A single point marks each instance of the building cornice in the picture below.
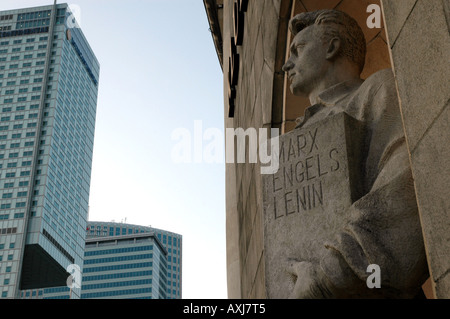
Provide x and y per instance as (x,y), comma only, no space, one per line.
(214,13)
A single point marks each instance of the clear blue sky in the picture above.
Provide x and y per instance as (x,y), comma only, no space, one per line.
(159,72)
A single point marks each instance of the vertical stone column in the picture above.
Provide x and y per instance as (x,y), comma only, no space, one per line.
(253,100)
(232,221)
(419,41)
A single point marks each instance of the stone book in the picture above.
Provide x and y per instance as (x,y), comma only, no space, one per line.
(306,201)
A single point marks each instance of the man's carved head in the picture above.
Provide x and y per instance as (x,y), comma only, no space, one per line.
(320,39)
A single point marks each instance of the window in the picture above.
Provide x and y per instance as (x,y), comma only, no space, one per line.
(6,17)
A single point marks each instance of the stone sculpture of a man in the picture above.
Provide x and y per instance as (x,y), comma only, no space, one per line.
(327,56)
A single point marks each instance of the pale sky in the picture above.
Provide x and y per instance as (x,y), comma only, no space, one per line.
(159,72)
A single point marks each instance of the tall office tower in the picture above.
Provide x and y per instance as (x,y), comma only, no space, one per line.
(171,242)
(48,95)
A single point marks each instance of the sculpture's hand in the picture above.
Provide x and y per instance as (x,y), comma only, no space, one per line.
(310,281)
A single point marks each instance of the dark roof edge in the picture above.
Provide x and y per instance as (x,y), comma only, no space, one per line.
(212,8)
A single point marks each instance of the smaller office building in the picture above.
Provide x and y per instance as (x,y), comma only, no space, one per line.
(172,243)
(124,261)
(125,267)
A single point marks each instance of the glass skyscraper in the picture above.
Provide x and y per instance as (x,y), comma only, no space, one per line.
(48,96)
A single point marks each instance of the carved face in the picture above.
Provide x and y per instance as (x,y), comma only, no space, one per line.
(307,64)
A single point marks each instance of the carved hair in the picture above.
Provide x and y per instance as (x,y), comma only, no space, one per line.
(335,24)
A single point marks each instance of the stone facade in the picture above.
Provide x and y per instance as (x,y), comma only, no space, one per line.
(253,109)
(262,101)
(418,34)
